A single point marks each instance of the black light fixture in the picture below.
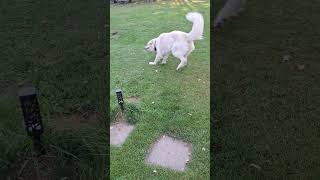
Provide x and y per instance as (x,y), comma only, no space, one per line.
(32,117)
(120,98)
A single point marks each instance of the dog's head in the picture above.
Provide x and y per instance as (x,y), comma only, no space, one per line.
(151,46)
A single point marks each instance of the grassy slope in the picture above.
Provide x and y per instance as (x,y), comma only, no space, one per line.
(267,112)
(175,93)
(57,46)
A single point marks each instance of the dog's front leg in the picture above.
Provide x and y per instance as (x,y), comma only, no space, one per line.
(164,60)
(156,60)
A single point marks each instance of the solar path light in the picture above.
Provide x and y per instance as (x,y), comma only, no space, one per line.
(32,117)
(120,98)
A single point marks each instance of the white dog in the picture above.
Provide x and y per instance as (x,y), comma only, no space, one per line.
(179,43)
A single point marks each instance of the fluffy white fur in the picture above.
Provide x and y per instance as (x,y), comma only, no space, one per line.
(179,43)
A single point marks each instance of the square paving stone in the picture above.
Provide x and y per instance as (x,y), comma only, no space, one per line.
(119,133)
(170,153)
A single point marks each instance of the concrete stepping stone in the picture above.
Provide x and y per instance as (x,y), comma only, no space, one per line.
(134,99)
(170,153)
(119,133)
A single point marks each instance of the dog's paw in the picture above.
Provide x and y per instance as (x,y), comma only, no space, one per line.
(152,63)
(163,62)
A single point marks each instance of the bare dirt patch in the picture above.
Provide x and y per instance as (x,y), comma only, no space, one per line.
(133,99)
(120,117)
(76,120)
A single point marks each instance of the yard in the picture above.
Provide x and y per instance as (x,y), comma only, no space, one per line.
(266,112)
(172,103)
(58,47)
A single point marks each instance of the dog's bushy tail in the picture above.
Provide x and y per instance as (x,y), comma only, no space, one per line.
(197,28)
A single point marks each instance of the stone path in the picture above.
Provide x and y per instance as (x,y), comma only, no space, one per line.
(166,152)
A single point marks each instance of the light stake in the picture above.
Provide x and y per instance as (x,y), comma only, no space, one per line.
(32,117)
(120,98)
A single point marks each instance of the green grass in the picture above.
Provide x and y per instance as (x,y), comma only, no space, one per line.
(58,47)
(175,94)
(267,112)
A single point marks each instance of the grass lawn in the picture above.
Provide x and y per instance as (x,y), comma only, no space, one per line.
(175,94)
(59,47)
(267,112)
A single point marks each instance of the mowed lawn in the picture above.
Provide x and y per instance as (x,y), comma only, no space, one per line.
(59,48)
(172,103)
(266,123)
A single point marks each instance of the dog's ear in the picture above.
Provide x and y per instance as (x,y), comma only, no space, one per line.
(153,45)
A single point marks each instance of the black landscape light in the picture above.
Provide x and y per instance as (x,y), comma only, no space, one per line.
(32,117)
(120,98)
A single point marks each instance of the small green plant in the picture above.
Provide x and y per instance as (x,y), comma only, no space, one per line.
(132,113)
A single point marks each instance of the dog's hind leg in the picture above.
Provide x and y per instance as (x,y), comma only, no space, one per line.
(180,55)
(190,51)
(183,62)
